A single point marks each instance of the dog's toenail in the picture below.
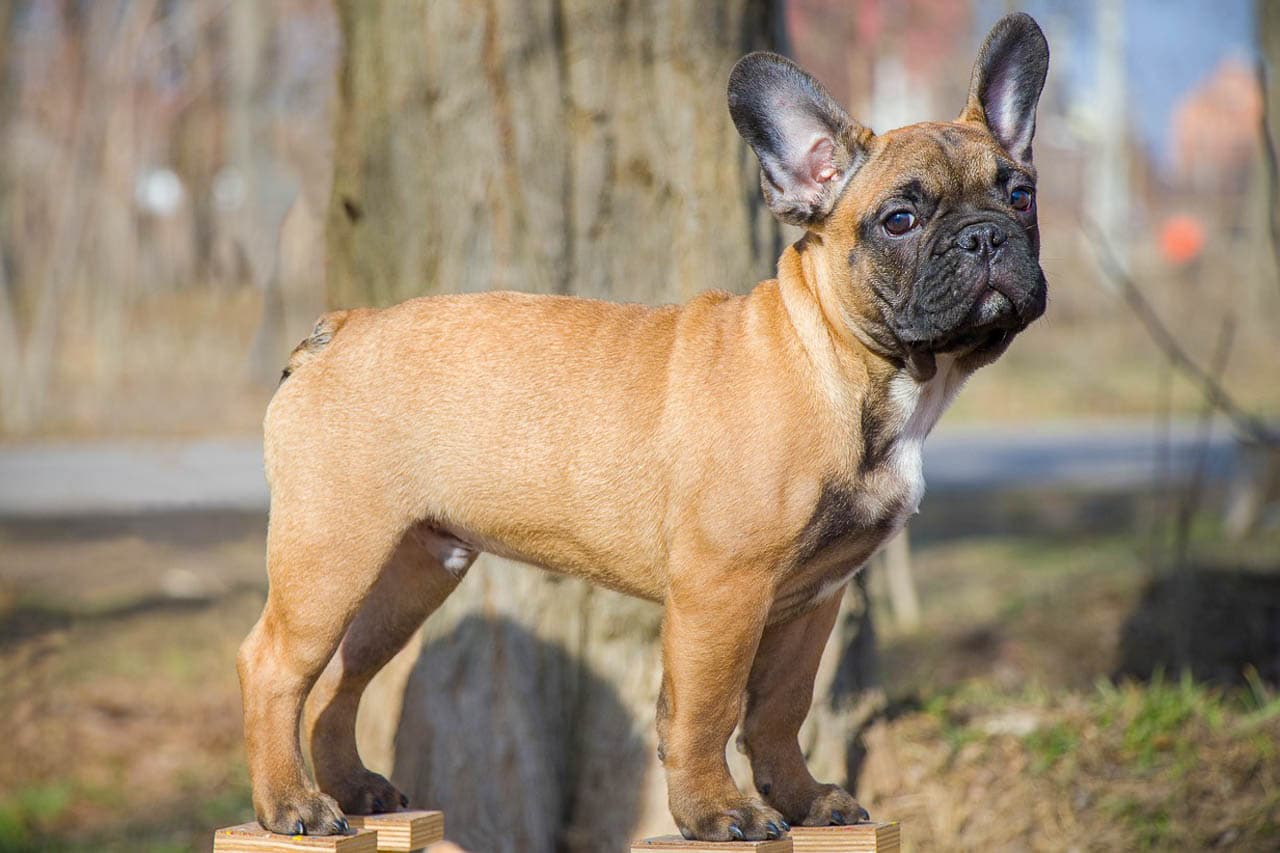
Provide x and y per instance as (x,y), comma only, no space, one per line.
(342,826)
(771,830)
(736,832)
(299,828)
(837,818)
(786,827)
(404,801)
(688,834)
(862,814)
(377,806)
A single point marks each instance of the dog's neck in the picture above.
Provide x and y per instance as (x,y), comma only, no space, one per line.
(853,354)
(862,328)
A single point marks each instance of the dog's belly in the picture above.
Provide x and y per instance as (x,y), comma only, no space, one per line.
(594,567)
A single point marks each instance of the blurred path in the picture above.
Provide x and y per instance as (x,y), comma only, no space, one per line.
(54,479)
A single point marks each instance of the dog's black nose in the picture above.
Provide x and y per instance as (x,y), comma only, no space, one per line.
(981,237)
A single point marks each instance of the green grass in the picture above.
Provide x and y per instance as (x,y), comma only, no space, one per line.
(1164,763)
(1050,745)
(1153,716)
(24,813)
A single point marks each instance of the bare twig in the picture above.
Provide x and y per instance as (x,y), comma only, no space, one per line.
(1195,488)
(10,350)
(1271,161)
(1191,500)
(1163,463)
(1250,427)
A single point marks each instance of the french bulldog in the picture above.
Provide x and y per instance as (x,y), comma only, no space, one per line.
(737,458)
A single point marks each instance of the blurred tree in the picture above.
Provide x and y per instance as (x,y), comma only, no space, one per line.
(562,147)
(1269,42)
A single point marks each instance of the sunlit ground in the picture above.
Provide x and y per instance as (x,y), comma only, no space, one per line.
(1004,728)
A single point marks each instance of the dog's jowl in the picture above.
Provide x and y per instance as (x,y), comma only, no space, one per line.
(737,458)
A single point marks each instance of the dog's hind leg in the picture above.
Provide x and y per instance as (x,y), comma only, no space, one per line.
(320,572)
(779,693)
(425,568)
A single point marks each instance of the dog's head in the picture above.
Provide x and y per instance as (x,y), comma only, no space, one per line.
(927,234)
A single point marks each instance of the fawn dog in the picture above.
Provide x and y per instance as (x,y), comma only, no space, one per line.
(737,458)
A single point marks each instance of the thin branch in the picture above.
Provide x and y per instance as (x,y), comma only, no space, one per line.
(1191,500)
(1249,426)
(1190,505)
(1163,463)
(1271,161)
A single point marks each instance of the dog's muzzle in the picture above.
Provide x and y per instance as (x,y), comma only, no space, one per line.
(985,283)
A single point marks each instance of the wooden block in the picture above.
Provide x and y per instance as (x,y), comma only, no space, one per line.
(251,838)
(870,837)
(402,831)
(675,842)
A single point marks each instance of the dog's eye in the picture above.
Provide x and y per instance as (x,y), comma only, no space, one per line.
(1021,198)
(899,222)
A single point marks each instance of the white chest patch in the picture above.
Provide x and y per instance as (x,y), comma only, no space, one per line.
(888,490)
(919,405)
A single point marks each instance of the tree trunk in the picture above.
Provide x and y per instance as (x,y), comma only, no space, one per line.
(563,146)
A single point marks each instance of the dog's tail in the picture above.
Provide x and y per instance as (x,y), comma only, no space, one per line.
(322,333)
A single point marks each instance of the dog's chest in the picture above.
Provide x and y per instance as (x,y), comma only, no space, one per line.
(857,514)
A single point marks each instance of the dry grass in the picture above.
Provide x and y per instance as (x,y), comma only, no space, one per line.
(121,716)
(1163,766)
(1009,729)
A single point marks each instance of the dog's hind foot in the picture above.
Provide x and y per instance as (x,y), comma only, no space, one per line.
(832,806)
(366,792)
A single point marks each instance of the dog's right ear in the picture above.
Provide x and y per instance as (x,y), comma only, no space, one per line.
(807,145)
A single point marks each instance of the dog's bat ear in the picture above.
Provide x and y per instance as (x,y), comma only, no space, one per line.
(1006,83)
(807,145)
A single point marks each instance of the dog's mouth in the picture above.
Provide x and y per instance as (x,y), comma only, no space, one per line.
(994,318)
(994,308)
(999,307)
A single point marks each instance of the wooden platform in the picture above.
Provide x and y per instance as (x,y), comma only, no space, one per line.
(676,842)
(251,838)
(394,832)
(405,832)
(399,832)
(869,837)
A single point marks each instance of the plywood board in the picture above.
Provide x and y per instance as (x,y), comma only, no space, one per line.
(675,842)
(402,831)
(871,837)
(251,838)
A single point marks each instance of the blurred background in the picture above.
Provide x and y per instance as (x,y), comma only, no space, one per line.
(1075,646)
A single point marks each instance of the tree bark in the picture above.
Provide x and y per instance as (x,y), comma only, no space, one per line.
(563,146)
(544,145)
(1268,16)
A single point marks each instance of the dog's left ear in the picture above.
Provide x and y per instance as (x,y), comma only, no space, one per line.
(807,145)
(1006,83)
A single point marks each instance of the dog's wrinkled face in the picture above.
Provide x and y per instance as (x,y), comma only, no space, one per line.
(945,240)
(935,223)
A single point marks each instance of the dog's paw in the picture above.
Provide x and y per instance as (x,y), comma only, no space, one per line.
(302,812)
(366,792)
(740,819)
(832,806)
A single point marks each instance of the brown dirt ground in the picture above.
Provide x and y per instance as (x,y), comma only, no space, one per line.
(121,720)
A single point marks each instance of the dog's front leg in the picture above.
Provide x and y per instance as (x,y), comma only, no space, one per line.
(779,693)
(710,633)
